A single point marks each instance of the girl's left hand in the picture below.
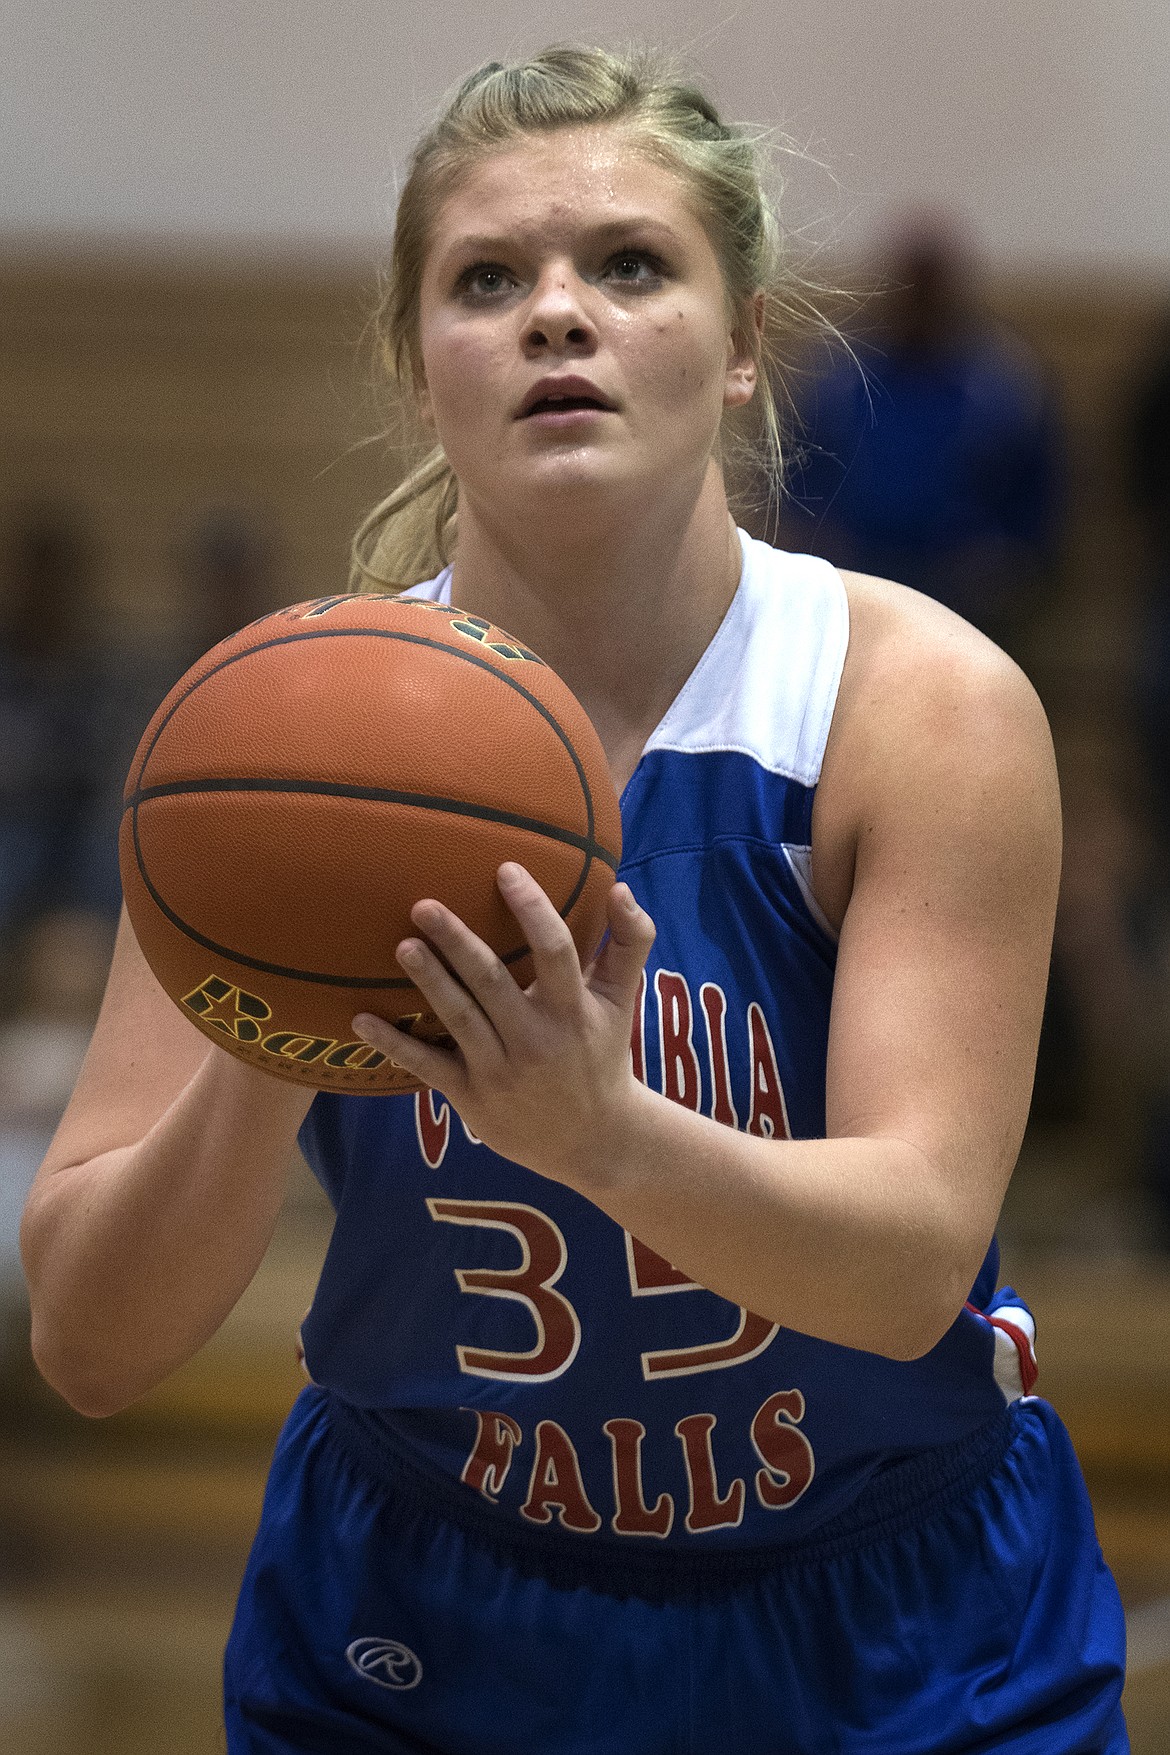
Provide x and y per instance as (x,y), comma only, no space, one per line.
(540,1074)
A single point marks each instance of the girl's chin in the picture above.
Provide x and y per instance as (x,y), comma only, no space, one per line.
(584,472)
(584,480)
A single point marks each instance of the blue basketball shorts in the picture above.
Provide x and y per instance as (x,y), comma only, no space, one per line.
(961,1606)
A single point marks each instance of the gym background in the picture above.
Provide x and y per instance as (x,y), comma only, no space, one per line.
(195,202)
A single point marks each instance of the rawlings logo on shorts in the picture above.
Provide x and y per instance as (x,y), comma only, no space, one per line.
(385,1662)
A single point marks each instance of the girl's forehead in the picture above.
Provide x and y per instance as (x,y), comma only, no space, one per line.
(563,175)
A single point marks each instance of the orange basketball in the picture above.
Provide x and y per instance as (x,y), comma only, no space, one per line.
(311,778)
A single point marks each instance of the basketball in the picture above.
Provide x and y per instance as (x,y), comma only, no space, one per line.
(315,775)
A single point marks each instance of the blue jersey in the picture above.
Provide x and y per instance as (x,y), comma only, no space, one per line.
(513,1336)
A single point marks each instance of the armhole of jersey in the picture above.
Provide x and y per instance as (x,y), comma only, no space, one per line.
(836,651)
(800,864)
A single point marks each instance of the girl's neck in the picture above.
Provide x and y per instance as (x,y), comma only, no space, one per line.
(623,613)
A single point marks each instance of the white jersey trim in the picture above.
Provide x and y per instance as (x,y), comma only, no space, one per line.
(767,684)
(436,590)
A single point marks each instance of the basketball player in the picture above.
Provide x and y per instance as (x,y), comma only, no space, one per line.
(664,1398)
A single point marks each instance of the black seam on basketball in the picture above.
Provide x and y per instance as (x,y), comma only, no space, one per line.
(588,844)
(410,640)
(580,884)
(377,795)
(385,982)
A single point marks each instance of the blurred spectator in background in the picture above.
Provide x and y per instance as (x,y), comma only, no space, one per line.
(1149,473)
(1148,457)
(1109,969)
(228,579)
(932,452)
(47,766)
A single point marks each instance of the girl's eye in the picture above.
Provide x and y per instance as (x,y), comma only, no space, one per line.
(633,268)
(484,280)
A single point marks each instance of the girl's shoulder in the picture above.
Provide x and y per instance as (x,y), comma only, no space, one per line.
(906,651)
(932,723)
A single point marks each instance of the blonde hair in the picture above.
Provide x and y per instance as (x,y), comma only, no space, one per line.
(410,535)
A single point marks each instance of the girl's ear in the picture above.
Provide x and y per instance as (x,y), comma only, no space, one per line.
(742,371)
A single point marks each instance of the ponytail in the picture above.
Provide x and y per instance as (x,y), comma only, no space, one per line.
(409,536)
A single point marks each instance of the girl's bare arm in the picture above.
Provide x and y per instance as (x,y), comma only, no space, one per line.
(157,1198)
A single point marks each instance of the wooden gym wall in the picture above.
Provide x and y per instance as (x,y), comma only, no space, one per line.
(146,394)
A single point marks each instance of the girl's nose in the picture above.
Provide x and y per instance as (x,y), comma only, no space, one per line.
(557,318)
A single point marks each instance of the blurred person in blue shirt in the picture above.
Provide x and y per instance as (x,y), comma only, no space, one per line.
(931,451)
